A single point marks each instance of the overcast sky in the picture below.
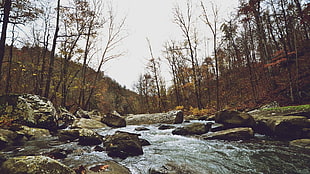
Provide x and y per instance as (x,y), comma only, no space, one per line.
(150,19)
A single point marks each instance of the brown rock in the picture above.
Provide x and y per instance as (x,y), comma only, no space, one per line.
(113,120)
(107,167)
(289,127)
(123,144)
(87,123)
(235,119)
(192,129)
(230,134)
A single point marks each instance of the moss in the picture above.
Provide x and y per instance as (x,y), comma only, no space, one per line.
(289,108)
(35,165)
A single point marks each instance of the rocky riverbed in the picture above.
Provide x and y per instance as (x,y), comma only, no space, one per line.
(49,140)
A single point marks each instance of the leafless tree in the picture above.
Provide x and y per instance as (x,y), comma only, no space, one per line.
(115,34)
(185,22)
(213,28)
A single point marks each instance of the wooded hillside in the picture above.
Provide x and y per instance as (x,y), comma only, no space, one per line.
(24,75)
(259,55)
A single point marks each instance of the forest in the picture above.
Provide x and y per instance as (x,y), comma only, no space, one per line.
(57,50)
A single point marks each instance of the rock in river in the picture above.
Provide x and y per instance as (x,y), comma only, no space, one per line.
(233,119)
(7,138)
(33,133)
(192,129)
(30,110)
(123,144)
(87,123)
(173,168)
(172,117)
(86,137)
(113,120)
(302,143)
(106,167)
(65,118)
(288,127)
(34,165)
(230,134)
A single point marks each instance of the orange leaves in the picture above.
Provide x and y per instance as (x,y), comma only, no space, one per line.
(275,63)
(279,57)
(189,85)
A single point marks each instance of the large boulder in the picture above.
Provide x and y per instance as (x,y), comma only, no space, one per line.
(7,138)
(87,123)
(94,114)
(80,113)
(106,167)
(192,129)
(30,110)
(233,119)
(33,133)
(65,118)
(230,134)
(86,137)
(172,117)
(173,168)
(34,165)
(123,144)
(302,143)
(113,120)
(288,127)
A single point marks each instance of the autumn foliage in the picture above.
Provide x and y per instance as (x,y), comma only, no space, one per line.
(263,56)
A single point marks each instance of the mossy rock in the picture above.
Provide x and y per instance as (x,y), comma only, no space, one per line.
(107,167)
(86,137)
(29,110)
(34,165)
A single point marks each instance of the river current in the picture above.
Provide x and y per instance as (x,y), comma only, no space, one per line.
(260,156)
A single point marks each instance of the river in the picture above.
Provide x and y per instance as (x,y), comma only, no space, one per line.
(260,156)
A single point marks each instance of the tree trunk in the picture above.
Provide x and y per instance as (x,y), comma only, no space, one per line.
(6,20)
(8,80)
(87,45)
(52,56)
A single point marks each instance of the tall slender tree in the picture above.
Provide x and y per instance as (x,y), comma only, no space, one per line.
(52,55)
(5,21)
(213,28)
(185,23)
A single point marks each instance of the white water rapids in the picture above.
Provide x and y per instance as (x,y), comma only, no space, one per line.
(260,156)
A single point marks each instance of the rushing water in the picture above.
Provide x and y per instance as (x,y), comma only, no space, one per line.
(261,156)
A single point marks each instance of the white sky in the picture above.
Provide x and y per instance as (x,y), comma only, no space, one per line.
(149,19)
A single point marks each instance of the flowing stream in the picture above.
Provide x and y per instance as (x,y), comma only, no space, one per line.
(260,156)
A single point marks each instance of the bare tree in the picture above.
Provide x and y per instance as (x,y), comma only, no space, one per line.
(91,33)
(185,23)
(171,56)
(115,34)
(52,55)
(154,68)
(213,28)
